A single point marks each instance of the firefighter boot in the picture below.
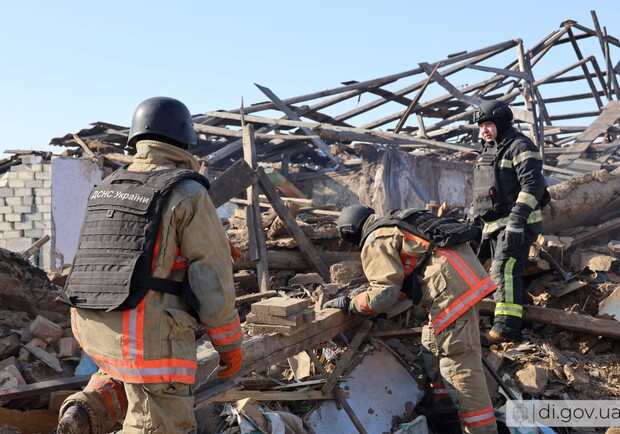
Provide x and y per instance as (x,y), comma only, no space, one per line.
(495,337)
(74,421)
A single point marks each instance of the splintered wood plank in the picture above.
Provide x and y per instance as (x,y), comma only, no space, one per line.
(609,115)
(231,183)
(261,352)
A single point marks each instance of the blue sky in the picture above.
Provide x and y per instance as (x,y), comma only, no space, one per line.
(66,64)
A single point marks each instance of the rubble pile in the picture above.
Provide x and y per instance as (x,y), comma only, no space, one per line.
(304,366)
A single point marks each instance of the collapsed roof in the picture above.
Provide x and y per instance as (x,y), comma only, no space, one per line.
(564,92)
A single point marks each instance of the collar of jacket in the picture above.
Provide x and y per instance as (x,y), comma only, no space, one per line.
(152,154)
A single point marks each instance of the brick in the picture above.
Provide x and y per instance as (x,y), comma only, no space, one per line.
(279,306)
(46,330)
(13,201)
(17,183)
(37,343)
(306,279)
(33,216)
(8,361)
(34,233)
(13,217)
(22,209)
(23,192)
(25,175)
(5,226)
(7,192)
(10,377)
(33,183)
(292,320)
(9,345)
(43,175)
(69,347)
(21,226)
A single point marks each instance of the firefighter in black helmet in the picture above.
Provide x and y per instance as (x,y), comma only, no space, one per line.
(395,251)
(152,267)
(509,190)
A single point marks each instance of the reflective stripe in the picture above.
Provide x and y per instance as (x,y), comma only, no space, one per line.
(509,309)
(113,393)
(526,155)
(149,371)
(439,390)
(226,334)
(408,262)
(527,199)
(180,261)
(478,289)
(509,283)
(478,417)
(504,163)
(361,304)
(490,227)
(461,304)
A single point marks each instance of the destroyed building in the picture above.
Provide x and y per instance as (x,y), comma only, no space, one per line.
(289,164)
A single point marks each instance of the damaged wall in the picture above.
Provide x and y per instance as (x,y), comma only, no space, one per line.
(32,206)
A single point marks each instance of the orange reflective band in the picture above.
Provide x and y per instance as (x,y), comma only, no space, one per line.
(149,371)
(361,304)
(478,417)
(226,334)
(114,395)
(132,339)
(461,304)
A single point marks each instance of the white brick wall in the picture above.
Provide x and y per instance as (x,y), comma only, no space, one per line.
(28,210)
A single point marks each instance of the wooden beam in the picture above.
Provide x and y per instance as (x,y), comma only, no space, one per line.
(292,115)
(257,395)
(573,321)
(258,246)
(295,260)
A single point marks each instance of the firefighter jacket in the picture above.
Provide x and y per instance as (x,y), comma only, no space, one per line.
(452,281)
(154,341)
(508,180)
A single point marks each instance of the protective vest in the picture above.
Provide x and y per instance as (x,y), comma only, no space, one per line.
(491,200)
(112,266)
(438,231)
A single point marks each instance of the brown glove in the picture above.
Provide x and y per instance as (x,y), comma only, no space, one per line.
(232,360)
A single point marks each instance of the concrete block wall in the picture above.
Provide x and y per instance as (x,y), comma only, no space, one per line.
(32,207)
(26,206)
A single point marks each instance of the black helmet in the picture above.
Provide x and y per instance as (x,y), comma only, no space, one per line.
(491,111)
(351,222)
(164,118)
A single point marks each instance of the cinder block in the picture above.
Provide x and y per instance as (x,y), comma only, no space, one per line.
(46,330)
(296,319)
(12,200)
(42,175)
(34,183)
(25,175)
(13,217)
(23,192)
(19,244)
(7,192)
(279,306)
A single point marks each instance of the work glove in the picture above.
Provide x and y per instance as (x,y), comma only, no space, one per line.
(231,361)
(515,231)
(343,303)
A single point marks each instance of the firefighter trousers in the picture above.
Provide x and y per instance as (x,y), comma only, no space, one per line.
(458,355)
(140,407)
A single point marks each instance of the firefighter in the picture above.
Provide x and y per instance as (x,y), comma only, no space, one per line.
(509,190)
(148,273)
(448,281)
